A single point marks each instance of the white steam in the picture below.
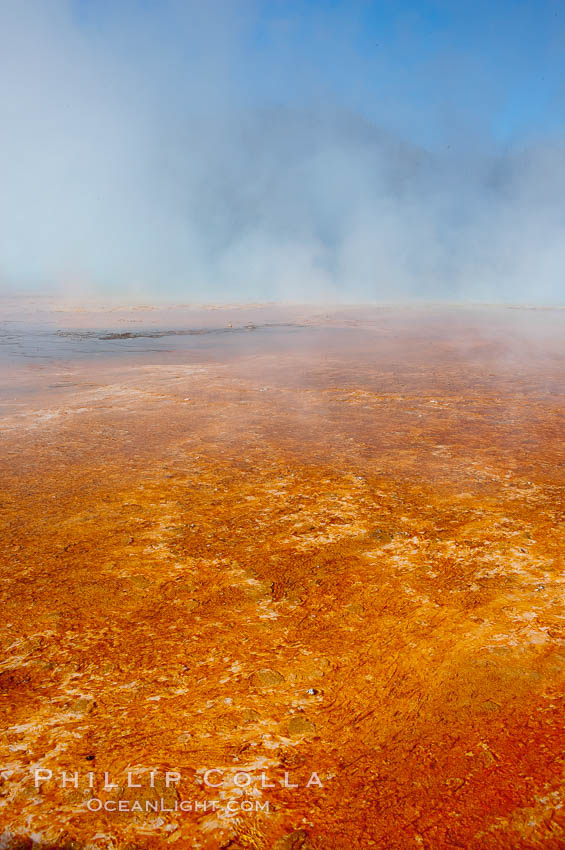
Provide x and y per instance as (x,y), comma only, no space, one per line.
(136,157)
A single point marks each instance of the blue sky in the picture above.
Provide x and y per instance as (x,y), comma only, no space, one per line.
(423,66)
(323,150)
(427,69)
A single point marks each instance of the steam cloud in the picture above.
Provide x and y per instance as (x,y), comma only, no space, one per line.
(163,150)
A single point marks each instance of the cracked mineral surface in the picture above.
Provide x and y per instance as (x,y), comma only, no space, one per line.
(278,577)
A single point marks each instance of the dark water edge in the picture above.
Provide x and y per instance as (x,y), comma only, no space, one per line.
(20,343)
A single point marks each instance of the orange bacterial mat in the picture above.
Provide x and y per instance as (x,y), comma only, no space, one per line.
(296,586)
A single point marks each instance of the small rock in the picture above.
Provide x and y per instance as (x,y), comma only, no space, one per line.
(82,705)
(486,755)
(140,581)
(260,589)
(266,678)
(225,723)
(297,840)
(381,534)
(300,725)
(184,738)
(250,716)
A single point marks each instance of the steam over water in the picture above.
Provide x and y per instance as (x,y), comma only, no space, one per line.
(49,347)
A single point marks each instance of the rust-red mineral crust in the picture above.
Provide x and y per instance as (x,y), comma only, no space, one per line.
(319,587)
